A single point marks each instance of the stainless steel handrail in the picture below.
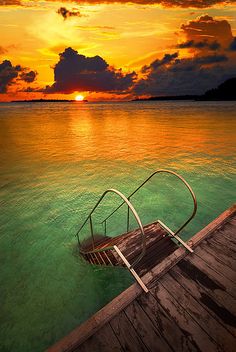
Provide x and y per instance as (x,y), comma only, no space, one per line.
(153,174)
(130,206)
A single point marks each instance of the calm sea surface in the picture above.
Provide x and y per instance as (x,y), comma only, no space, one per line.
(57,159)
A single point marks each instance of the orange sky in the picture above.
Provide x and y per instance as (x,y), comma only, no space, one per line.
(126,36)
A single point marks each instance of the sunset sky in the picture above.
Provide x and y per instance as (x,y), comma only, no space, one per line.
(114,50)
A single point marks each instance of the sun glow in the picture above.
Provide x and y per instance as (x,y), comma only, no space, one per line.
(79,97)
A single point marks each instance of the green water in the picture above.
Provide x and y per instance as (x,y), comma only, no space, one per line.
(56,160)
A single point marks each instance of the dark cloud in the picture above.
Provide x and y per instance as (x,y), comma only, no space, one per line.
(232,46)
(9,74)
(214,45)
(209,60)
(32,90)
(166,3)
(76,72)
(28,77)
(175,74)
(185,76)
(167,58)
(209,30)
(65,13)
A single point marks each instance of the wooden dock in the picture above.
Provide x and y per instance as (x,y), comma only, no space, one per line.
(190,306)
(158,246)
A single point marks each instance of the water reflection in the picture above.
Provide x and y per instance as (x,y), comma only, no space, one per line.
(57,159)
(128,132)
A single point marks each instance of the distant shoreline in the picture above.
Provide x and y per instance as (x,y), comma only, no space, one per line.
(183,97)
(173,97)
(50,101)
(226,91)
(163,98)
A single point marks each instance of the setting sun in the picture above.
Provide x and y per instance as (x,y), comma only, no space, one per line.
(79,97)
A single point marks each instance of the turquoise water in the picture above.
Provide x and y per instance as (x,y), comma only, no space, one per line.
(57,159)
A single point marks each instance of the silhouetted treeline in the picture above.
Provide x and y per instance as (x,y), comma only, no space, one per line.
(225,91)
(170,97)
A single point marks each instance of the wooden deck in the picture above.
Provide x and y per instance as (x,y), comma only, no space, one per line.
(158,246)
(190,306)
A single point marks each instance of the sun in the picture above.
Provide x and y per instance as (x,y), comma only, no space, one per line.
(79,97)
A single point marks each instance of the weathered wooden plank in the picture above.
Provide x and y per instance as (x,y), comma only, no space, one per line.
(103,341)
(233,221)
(129,249)
(216,223)
(215,263)
(131,235)
(126,334)
(159,270)
(223,258)
(150,264)
(213,274)
(158,246)
(146,329)
(133,244)
(155,255)
(184,320)
(229,237)
(177,338)
(133,252)
(218,305)
(99,240)
(224,340)
(220,241)
(229,230)
(225,254)
(187,324)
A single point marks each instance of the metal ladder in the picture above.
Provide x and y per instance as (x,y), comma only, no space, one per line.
(101,254)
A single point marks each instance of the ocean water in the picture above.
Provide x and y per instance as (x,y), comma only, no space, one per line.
(57,159)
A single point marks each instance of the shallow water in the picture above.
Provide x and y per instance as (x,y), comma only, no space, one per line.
(57,159)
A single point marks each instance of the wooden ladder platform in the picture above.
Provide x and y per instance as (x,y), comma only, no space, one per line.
(190,306)
(158,246)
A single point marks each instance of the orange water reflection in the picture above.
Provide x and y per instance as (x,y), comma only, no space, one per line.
(131,132)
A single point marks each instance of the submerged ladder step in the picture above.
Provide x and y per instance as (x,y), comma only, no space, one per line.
(101,258)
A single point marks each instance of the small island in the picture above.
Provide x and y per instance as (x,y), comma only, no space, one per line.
(50,101)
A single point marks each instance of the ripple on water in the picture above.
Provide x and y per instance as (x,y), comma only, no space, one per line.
(56,160)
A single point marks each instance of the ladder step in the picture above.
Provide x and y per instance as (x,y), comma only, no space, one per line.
(101,258)
(95,258)
(89,258)
(106,258)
